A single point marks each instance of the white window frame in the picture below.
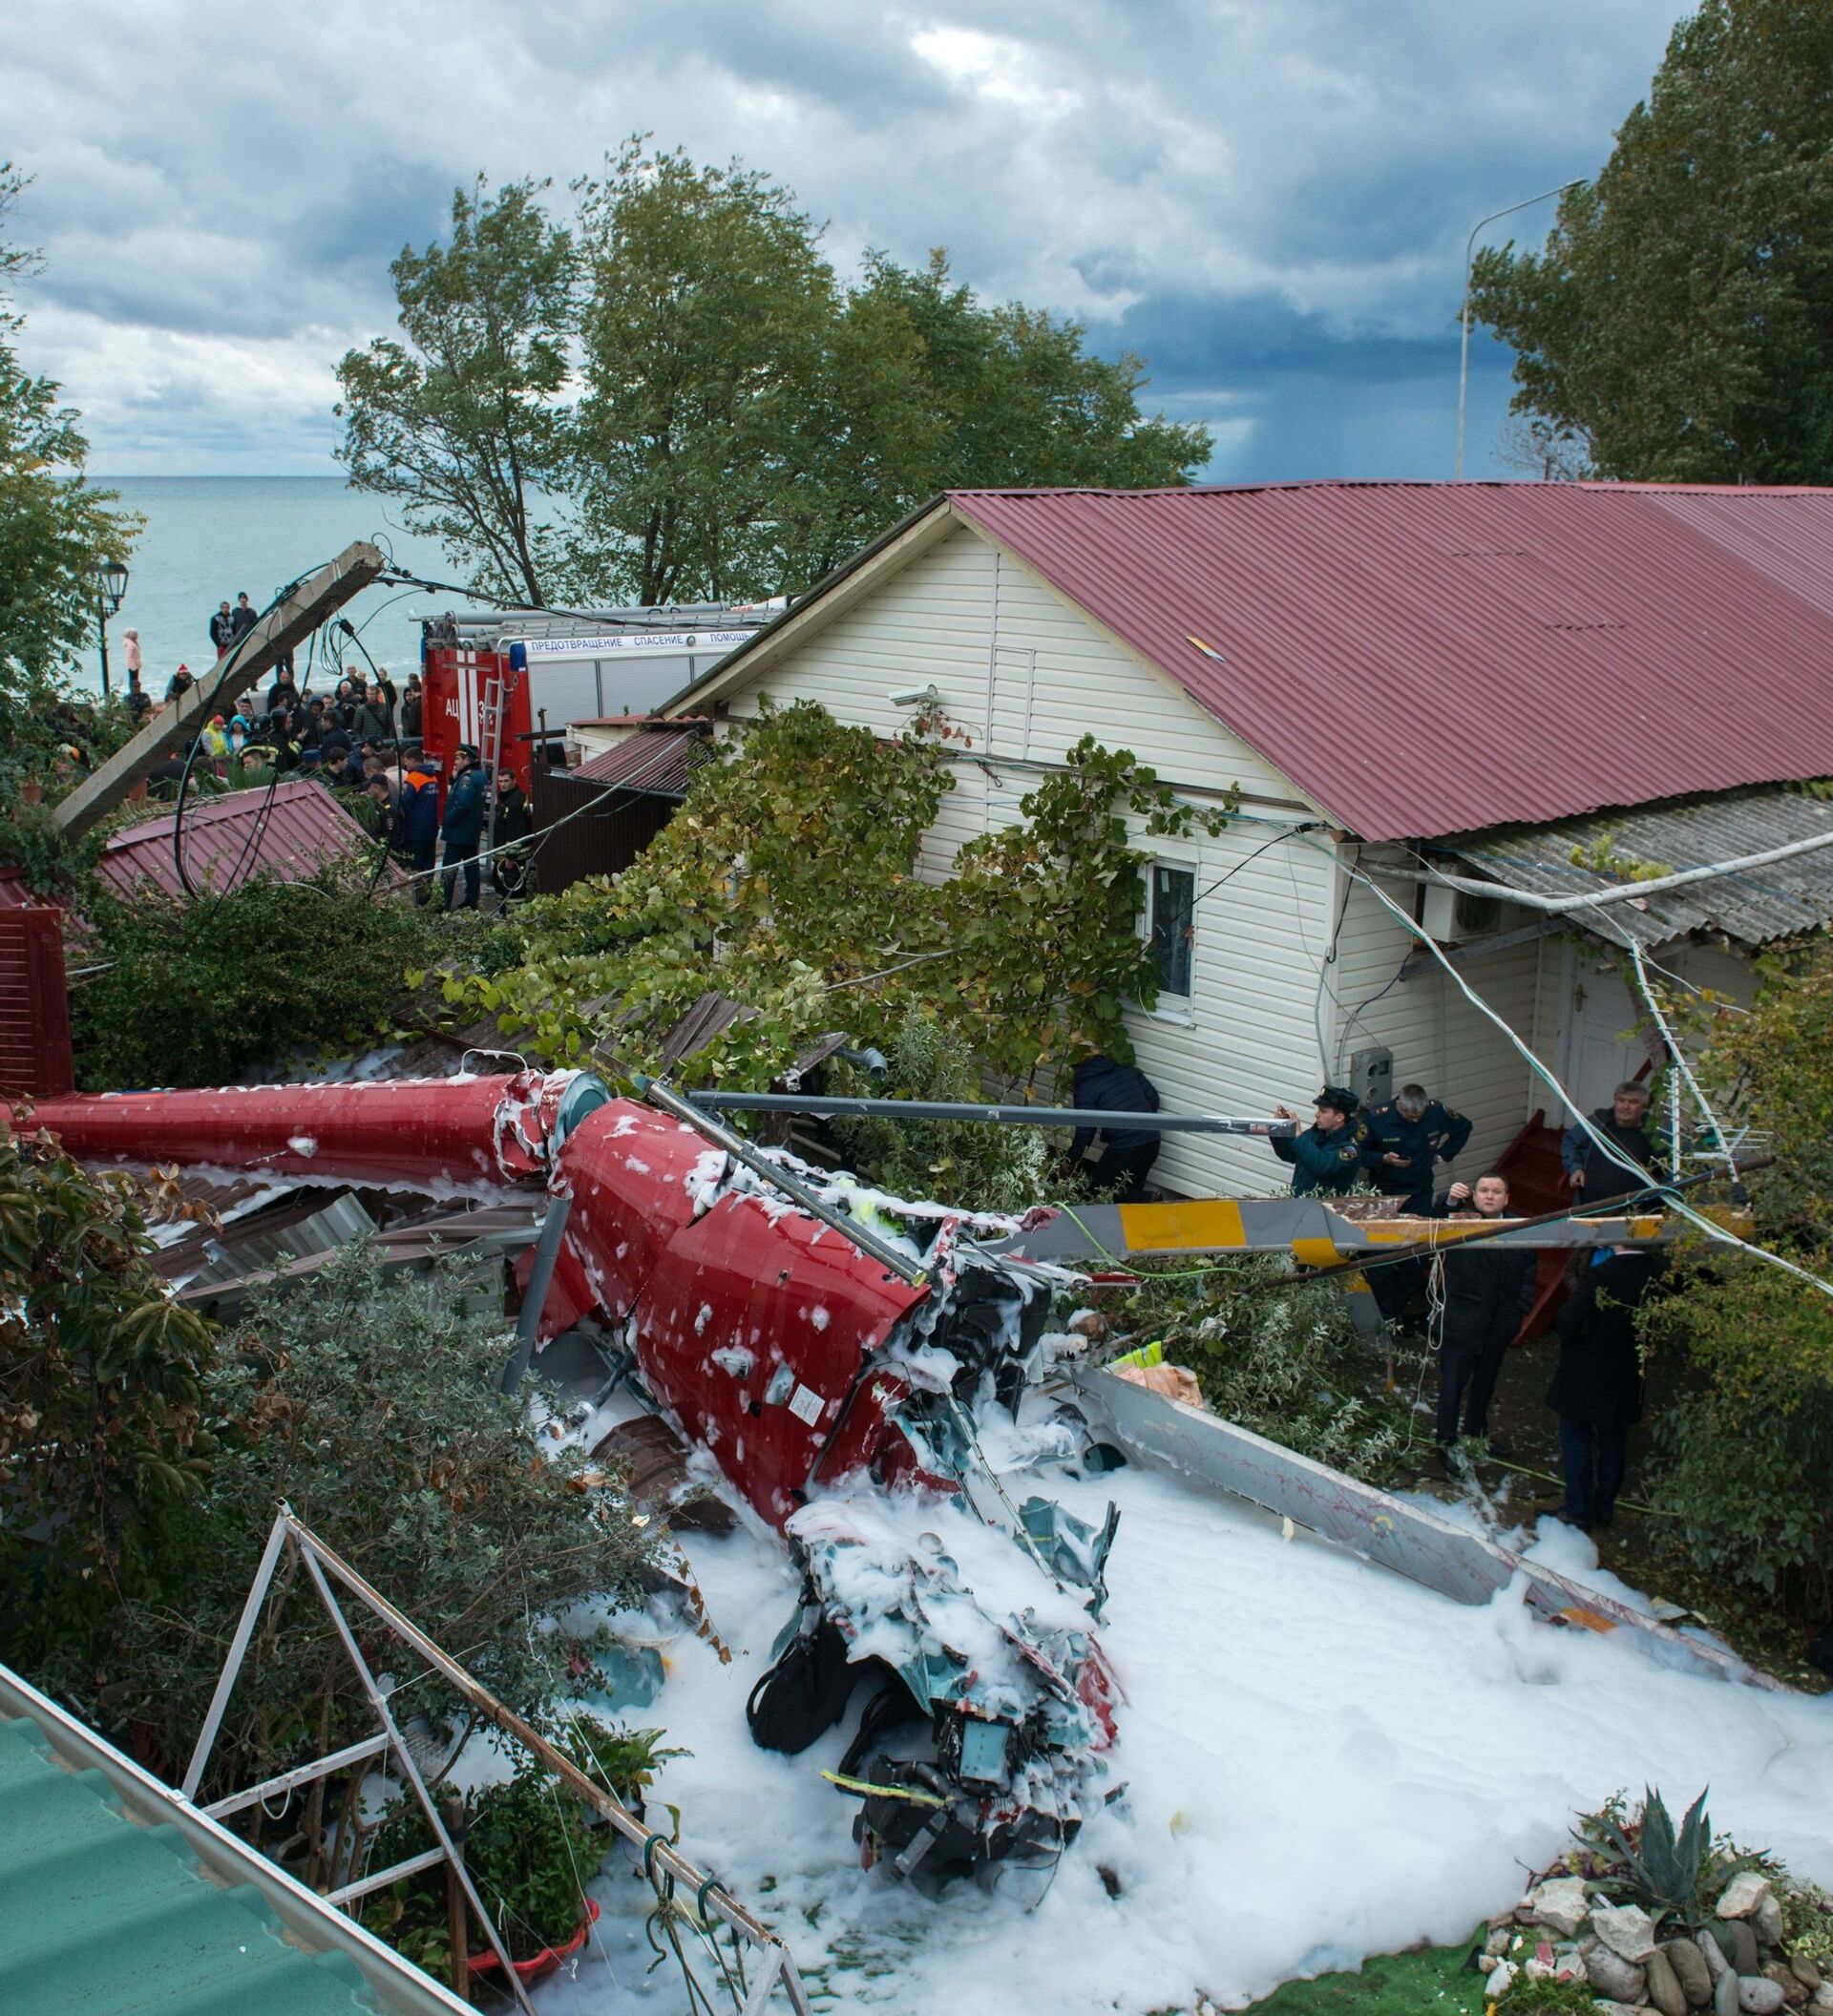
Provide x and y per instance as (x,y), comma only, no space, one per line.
(1178,1008)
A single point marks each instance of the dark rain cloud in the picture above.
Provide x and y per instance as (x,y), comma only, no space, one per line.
(1266,197)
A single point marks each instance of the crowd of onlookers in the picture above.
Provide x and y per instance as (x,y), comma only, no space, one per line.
(1470,1302)
(364,738)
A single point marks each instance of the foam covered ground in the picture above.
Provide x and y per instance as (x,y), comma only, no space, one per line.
(1324,1761)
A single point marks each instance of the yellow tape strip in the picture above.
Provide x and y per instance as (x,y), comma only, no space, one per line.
(1212,1223)
(1586,1620)
(883,1792)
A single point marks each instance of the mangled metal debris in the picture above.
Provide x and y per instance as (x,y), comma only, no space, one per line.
(840,1356)
(832,1365)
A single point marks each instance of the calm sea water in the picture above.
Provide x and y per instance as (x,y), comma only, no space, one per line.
(207,537)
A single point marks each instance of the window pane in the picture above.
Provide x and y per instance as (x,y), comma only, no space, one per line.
(1173,927)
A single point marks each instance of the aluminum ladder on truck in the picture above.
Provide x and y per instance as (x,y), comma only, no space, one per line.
(493,703)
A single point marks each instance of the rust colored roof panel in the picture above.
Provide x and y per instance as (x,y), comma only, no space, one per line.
(1427,658)
(287,836)
(656,761)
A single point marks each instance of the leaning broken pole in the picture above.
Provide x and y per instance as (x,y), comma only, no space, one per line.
(289,623)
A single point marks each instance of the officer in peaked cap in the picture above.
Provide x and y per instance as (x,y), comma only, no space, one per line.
(1405,1137)
(1326,1157)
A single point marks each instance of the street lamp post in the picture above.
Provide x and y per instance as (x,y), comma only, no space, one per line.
(1469,247)
(111,591)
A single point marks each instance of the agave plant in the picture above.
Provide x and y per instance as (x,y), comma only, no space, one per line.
(1670,1875)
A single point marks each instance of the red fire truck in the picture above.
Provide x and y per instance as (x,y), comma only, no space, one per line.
(498,682)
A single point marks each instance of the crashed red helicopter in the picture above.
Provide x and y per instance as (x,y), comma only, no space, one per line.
(838,1354)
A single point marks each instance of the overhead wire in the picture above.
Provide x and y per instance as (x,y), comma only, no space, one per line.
(1606,1147)
(227,666)
(615,619)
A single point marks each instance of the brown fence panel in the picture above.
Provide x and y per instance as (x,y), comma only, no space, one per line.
(572,842)
(34,1005)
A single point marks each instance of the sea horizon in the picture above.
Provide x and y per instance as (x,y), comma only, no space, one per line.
(208,538)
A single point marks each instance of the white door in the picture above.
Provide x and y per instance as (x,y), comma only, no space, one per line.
(1604,1045)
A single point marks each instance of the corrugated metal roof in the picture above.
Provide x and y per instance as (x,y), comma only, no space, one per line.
(116,1894)
(1754,908)
(656,761)
(287,835)
(224,1194)
(309,1228)
(1425,659)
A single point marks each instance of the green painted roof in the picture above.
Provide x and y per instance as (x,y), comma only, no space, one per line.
(104,1910)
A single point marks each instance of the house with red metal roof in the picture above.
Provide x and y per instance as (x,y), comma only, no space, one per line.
(1485,736)
(287,833)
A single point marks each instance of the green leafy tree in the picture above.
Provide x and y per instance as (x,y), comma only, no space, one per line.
(1041,916)
(673,400)
(927,388)
(55,528)
(369,1403)
(1679,326)
(103,1415)
(788,882)
(241,978)
(704,338)
(1745,1449)
(462,420)
(952,1162)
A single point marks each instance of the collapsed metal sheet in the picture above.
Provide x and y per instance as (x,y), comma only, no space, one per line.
(1392,1533)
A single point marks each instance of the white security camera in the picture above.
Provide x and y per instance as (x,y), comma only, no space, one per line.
(914,696)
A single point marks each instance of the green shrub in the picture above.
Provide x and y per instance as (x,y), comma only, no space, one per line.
(1670,1874)
(530,1845)
(192,993)
(369,1405)
(1289,1363)
(1746,1486)
(624,1759)
(962,1162)
(1743,1455)
(103,1407)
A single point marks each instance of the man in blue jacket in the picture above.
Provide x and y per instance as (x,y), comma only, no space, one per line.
(419,831)
(1406,1134)
(1126,1153)
(1326,1156)
(463,828)
(1594,1176)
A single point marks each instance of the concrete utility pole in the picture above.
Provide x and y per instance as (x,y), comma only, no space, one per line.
(310,603)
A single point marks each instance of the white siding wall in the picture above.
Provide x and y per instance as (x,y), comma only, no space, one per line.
(1247,1038)
(1436,1036)
(1084,683)
(978,626)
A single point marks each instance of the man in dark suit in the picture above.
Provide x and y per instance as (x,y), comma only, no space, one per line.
(1488,1288)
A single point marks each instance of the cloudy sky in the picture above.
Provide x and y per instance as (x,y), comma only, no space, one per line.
(1267,199)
